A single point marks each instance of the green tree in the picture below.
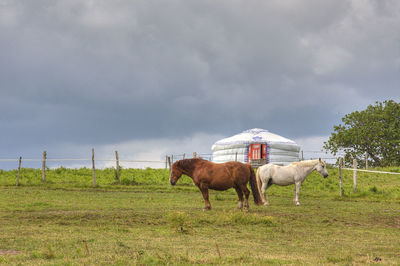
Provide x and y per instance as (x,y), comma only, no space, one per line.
(374,131)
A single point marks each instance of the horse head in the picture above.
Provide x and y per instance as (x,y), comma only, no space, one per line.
(321,168)
(176,173)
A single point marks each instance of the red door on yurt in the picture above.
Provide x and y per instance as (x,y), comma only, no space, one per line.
(257,151)
(263,151)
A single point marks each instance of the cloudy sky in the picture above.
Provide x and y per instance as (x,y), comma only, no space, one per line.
(151,78)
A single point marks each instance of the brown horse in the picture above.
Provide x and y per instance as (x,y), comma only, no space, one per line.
(207,175)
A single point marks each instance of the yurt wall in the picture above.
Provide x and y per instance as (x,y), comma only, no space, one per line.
(256,144)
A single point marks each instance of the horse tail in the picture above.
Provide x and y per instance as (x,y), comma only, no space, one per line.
(254,187)
(259,183)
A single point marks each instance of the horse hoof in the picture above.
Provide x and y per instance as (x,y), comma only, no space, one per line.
(297,204)
(207,209)
(266,204)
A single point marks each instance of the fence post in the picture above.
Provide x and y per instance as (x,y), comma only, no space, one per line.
(302,155)
(354,174)
(93,169)
(166,161)
(236,157)
(194,154)
(44,166)
(340,176)
(19,170)
(169,161)
(183,157)
(366,161)
(117,166)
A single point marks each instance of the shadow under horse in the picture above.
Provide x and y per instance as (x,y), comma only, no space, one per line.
(218,176)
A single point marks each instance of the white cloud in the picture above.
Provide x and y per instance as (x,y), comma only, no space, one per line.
(312,148)
(331,58)
(312,143)
(143,153)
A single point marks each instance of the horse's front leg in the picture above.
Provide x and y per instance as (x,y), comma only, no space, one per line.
(264,193)
(204,190)
(296,193)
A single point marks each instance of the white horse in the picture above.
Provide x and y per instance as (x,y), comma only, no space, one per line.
(294,173)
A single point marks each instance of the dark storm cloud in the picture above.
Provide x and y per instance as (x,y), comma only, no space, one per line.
(100,72)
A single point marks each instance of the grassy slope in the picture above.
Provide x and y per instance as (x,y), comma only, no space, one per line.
(65,221)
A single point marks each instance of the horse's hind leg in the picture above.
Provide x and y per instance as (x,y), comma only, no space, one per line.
(264,187)
(246,196)
(240,196)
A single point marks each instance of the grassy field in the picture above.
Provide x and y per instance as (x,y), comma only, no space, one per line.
(145,221)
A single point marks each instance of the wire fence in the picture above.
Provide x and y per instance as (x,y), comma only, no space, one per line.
(338,162)
(158,163)
(12,163)
(371,171)
(107,163)
(81,159)
(164,163)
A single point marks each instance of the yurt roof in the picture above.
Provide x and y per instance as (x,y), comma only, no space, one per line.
(255,135)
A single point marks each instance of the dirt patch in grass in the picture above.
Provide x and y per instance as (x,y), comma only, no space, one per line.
(4,252)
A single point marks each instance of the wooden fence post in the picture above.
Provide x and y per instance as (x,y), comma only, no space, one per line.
(19,170)
(354,174)
(340,176)
(166,161)
(236,157)
(183,156)
(44,166)
(366,161)
(302,155)
(117,166)
(194,154)
(93,169)
(169,161)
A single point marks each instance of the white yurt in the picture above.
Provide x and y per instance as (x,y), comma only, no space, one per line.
(256,144)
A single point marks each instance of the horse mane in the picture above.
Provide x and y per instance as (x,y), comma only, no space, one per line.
(307,162)
(188,164)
